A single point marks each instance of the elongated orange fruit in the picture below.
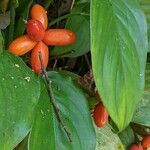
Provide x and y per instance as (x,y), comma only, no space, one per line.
(136,147)
(35,30)
(146,141)
(59,37)
(100,115)
(35,60)
(21,45)
(39,13)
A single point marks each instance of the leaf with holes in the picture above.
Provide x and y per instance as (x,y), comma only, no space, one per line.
(119,48)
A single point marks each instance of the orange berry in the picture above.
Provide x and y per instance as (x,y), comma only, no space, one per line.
(39,13)
(59,37)
(35,30)
(21,45)
(35,60)
(146,141)
(100,115)
(136,147)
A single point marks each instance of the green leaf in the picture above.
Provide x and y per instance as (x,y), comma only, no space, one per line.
(127,137)
(107,140)
(19,93)
(147,77)
(141,116)
(16,3)
(74,77)
(1,43)
(22,13)
(80,24)
(145,4)
(119,48)
(47,133)
(11,27)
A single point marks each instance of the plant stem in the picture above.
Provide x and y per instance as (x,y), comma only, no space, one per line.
(52,99)
(87,61)
(47,3)
(12,22)
(73,1)
(66,16)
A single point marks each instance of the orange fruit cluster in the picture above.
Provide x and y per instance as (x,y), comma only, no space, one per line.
(38,38)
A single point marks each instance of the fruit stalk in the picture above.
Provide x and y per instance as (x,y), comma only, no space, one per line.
(52,99)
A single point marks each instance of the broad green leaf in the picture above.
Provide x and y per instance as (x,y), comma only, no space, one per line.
(73,76)
(147,77)
(141,116)
(1,43)
(119,48)
(22,13)
(80,24)
(145,4)
(107,140)
(127,137)
(47,133)
(19,93)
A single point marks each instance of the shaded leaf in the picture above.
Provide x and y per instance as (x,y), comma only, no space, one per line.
(145,4)
(119,44)
(141,116)
(80,24)
(47,133)
(1,43)
(16,3)
(22,13)
(19,93)
(147,77)
(127,137)
(107,140)
(10,30)
(83,1)
(47,3)
(23,145)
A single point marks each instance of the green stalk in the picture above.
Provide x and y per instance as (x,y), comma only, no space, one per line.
(47,3)
(66,16)
(12,22)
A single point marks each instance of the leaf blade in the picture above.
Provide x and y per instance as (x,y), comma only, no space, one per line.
(118,47)
(18,98)
(73,109)
(107,140)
